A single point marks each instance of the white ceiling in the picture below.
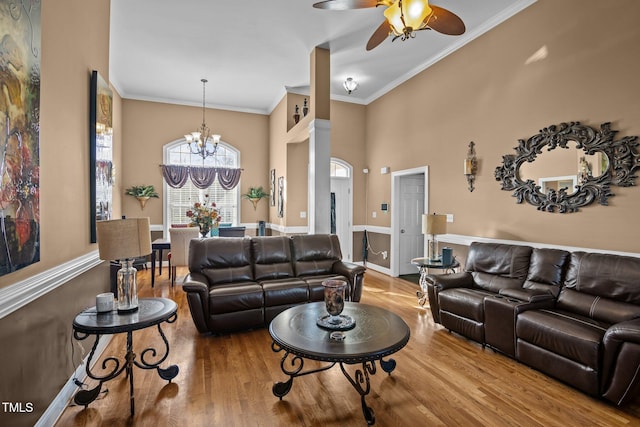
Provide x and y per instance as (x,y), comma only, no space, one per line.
(252,51)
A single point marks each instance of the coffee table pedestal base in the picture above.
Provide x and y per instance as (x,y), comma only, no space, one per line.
(293,365)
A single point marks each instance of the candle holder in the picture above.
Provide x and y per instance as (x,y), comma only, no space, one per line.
(334,296)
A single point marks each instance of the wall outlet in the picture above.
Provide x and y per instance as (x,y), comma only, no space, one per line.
(384,254)
(303,214)
(449,217)
(374,214)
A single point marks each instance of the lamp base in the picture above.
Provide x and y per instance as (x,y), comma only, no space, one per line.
(434,255)
(127,288)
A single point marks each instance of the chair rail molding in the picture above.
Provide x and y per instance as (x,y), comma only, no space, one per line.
(16,296)
(460,239)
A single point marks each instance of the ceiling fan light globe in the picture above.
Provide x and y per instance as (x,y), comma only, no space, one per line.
(407,16)
(350,85)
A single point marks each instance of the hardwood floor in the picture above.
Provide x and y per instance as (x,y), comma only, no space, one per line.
(441,379)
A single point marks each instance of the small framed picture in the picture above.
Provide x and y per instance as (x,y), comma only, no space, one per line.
(281,197)
(272,184)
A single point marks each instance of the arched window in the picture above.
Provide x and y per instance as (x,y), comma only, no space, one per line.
(339,168)
(179,200)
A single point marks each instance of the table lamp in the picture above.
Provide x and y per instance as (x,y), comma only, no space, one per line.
(434,224)
(124,240)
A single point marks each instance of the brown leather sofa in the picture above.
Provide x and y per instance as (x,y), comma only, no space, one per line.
(243,283)
(572,315)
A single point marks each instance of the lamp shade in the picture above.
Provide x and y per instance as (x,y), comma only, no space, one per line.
(123,238)
(434,224)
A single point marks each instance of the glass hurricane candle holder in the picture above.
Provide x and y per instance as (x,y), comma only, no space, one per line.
(334,294)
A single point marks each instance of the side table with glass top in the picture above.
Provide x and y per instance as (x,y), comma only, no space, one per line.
(151,312)
(424,264)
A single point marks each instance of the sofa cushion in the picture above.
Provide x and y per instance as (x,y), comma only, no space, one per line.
(221,260)
(235,297)
(464,302)
(546,270)
(595,307)
(284,291)
(315,254)
(316,290)
(610,276)
(575,337)
(495,266)
(272,257)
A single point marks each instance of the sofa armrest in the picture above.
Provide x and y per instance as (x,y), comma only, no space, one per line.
(528,295)
(628,331)
(620,361)
(450,281)
(355,274)
(438,282)
(197,288)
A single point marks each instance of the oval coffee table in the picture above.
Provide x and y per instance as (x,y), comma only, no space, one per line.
(377,334)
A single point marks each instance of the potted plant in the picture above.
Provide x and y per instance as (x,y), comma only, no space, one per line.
(254,194)
(142,193)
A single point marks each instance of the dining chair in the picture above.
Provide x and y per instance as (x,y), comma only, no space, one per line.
(180,239)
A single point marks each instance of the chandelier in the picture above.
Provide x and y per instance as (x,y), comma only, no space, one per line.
(201,142)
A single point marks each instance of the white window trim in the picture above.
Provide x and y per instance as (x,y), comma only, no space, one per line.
(165,203)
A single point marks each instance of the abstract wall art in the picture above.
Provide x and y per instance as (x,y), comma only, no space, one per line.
(20,134)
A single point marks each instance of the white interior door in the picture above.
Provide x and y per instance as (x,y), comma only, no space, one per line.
(341,188)
(410,226)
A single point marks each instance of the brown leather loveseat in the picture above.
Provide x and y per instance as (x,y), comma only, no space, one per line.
(243,283)
(572,315)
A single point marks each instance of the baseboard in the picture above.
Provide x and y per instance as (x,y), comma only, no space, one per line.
(375,267)
(61,401)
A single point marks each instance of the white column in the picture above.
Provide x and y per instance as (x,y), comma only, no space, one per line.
(319,190)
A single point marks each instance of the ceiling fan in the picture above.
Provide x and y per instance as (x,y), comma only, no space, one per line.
(403,18)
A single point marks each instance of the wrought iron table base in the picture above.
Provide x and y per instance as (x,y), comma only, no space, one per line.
(359,381)
(423,292)
(85,397)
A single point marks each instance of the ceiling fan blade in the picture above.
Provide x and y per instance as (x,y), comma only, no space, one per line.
(345,4)
(446,22)
(379,35)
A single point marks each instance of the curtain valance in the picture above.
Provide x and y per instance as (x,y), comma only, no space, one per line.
(202,177)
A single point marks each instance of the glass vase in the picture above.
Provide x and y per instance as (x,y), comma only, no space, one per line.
(334,295)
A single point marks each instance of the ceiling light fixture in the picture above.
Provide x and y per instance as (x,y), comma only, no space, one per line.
(199,139)
(407,16)
(350,85)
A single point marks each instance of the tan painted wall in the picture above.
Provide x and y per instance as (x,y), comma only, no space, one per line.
(151,125)
(485,92)
(347,143)
(66,64)
(75,40)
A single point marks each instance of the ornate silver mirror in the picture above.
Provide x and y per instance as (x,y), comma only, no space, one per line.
(567,166)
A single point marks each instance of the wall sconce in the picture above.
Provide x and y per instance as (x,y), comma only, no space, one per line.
(471,166)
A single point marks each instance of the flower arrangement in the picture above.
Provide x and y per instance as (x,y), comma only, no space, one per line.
(204,215)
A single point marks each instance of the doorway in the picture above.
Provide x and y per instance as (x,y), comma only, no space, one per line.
(342,205)
(409,194)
